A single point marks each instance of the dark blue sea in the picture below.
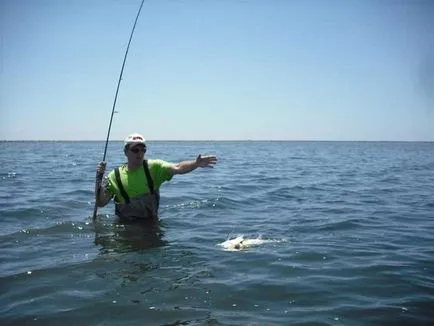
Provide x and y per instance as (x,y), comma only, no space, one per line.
(350,228)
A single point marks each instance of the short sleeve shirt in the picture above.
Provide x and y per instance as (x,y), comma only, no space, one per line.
(135,183)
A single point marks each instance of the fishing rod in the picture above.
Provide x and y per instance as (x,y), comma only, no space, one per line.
(99,176)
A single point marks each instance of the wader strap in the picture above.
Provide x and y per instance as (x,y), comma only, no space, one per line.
(151,183)
(148,177)
(121,187)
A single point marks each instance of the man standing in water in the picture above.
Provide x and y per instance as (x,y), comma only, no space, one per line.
(135,185)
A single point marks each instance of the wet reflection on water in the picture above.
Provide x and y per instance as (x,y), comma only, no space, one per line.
(116,235)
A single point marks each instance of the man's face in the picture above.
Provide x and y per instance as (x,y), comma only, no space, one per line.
(136,153)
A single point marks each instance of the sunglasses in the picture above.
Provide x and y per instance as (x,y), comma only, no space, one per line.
(138,149)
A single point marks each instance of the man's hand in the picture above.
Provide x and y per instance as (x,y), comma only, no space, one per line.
(206,161)
(100,169)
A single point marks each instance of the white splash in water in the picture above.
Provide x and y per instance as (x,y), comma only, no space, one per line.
(242,243)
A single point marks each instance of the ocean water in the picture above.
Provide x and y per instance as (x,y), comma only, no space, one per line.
(349,229)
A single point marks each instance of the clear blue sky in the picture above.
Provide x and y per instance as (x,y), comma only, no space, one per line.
(218,70)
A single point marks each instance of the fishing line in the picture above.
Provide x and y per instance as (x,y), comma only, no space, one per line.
(100,175)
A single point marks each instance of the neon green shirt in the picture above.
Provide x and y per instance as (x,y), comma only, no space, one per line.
(135,182)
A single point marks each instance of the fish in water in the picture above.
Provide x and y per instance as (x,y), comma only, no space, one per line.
(242,243)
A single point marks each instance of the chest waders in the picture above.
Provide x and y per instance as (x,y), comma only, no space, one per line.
(145,206)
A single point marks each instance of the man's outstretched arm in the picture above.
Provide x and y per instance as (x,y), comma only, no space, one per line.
(187,166)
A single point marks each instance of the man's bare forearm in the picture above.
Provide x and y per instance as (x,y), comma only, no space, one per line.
(185,167)
(102,198)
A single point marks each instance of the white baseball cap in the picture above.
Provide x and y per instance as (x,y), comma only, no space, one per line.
(134,139)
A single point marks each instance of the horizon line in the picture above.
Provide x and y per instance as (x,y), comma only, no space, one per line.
(219,140)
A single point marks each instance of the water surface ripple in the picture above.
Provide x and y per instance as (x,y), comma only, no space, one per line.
(352,224)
